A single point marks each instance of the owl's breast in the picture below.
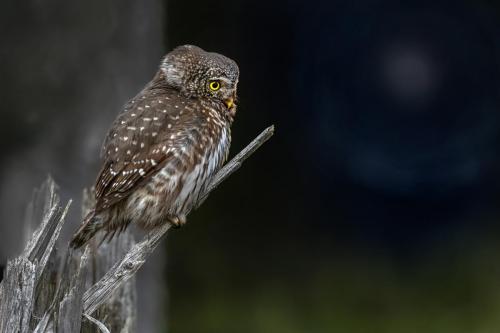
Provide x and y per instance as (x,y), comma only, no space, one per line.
(179,184)
(195,181)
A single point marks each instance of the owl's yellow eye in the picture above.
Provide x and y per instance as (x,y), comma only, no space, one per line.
(214,85)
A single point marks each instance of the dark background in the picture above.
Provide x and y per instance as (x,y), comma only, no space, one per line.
(374,208)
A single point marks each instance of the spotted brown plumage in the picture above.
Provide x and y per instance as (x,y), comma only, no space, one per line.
(165,146)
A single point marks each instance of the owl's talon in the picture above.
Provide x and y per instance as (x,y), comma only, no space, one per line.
(177,221)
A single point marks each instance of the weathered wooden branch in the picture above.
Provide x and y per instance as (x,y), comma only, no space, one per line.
(45,291)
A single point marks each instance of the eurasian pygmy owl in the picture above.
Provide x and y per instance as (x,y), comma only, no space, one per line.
(163,149)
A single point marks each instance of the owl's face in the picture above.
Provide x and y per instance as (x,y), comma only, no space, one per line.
(197,73)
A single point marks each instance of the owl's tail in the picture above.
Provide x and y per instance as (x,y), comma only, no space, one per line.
(90,226)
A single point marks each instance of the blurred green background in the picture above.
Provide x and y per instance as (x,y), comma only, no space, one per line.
(322,288)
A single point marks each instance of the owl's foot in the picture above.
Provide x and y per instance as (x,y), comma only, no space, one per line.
(177,221)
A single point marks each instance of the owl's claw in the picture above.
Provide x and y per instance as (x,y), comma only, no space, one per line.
(177,221)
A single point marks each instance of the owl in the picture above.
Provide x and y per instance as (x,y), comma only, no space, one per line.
(163,149)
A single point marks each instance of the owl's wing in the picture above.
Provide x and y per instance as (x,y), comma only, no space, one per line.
(143,139)
(117,180)
(133,106)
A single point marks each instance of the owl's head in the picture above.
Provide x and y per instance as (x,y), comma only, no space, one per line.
(197,73)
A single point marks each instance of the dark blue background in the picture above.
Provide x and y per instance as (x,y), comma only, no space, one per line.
(387,113)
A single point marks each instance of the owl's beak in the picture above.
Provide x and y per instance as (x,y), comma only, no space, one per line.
(229,103)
